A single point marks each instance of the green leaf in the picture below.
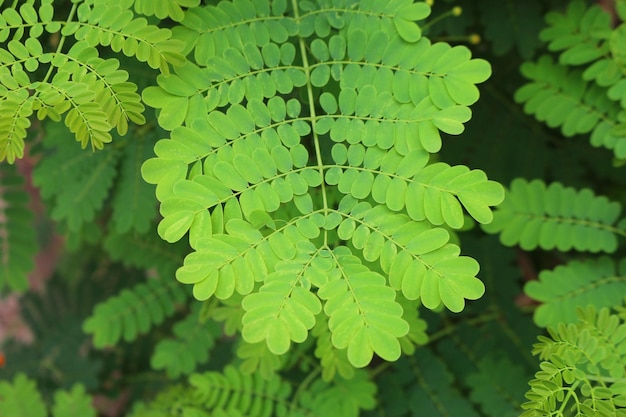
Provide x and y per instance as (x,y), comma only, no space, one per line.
(533,216)
(133,312)
(189,349)
(21,398)
(74,402)
(575,285)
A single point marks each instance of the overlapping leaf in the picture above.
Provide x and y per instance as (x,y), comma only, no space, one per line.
(283,310)
(417,257)
(364,316)
(437,193)
(556,217)
(333,361)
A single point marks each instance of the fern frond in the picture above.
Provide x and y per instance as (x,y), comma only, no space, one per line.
(437,193)
(561,98)
(76,402)
(16,107)
(234,392)
(18,244)
(582,368)
(333,361)
(189,349)
(556,217)
(417,257)
(341,398)
(107,84)
(576,285)
(283,310)
(364,317)
(286,118)
(91,93)
(497,396)
(133,312)
(77,181)
(258,358)
(134,205)
(20,397)
(112,24)
(580,33)
(170,401)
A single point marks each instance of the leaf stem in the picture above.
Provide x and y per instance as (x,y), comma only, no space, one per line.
(304,386)
(70,16)
(309,89)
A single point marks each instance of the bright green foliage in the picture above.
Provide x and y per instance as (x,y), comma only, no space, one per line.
(288,200)
(181,355)
(133,312)
(91,94)
(562,291)
(582,368)
(21,398)
(73,403)
(17,236)
(556,217)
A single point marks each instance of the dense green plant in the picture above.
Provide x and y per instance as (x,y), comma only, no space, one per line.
(303,195)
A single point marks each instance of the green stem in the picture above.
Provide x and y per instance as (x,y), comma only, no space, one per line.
(454,12)
(70,17)
(303,387)
(316,140)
